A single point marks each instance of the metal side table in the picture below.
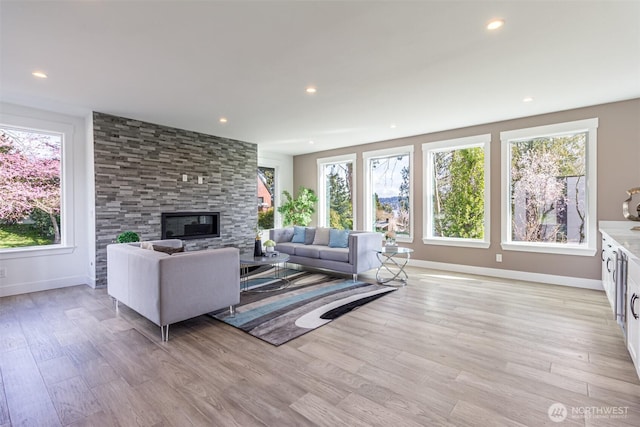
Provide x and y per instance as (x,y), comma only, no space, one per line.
(393,260)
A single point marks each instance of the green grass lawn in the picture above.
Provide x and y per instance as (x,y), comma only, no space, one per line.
(19,235)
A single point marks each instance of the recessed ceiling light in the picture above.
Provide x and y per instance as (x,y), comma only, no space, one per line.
(311,142)
(494,24)
(223,120)
(527,99)
(392,126)
(311,89)
(39,74)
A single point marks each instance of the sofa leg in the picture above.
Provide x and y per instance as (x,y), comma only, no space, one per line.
(232,310)
(355,277)
(164,332)
(115,304)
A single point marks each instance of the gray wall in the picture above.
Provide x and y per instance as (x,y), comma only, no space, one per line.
(138,175)
(618,170)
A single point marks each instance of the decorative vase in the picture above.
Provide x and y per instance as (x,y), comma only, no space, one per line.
(390,241)
(268,248)
(257,249)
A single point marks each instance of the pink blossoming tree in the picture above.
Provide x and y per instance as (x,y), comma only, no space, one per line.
(29,176)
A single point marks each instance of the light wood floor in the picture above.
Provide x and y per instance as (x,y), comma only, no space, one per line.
(445,350)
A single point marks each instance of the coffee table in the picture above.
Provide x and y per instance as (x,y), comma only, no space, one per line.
(387,257)
(247,260)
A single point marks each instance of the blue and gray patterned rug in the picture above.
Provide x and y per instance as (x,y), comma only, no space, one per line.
(309,301)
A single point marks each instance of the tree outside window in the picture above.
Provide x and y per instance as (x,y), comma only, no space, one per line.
(30,188)
(548,198)
(457,191)
(389,191)
(336,191)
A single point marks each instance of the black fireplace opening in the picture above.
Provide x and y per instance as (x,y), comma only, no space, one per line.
(190,225)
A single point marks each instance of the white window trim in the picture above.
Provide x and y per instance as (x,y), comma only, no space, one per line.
(67,236)
(591,127)
(322,203)
(368,213)
(428,149)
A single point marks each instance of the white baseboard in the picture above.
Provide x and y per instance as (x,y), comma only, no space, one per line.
(44,285)
(575,282)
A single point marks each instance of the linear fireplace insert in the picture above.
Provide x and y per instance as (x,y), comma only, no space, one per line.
(190,225)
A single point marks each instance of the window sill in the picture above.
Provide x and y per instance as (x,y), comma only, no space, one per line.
(549,249)
(449,241)
(33,251)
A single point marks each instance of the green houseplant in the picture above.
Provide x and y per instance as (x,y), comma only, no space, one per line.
(269,245)
(128,237)
(298,211)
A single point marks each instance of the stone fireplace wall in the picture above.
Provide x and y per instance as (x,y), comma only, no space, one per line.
(139,170)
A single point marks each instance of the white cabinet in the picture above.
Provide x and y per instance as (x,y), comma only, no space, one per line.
(608,269)
(632,304)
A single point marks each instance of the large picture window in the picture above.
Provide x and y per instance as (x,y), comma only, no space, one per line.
(388,191)
(457,191)
(336,184)
(30,187)
(549,176)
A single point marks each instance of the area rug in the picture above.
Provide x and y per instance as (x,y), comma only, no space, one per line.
(308,301)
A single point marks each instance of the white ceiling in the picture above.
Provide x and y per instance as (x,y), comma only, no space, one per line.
(423,66)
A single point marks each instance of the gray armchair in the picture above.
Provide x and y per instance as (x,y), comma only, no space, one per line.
(171,288)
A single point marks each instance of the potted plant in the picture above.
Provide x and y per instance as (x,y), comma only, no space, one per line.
(298,211)
(128,237)
(269,245)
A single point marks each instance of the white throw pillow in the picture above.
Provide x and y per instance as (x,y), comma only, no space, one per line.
(146,245)
(322,236)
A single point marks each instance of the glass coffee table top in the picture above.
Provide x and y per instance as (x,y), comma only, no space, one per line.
(263,281)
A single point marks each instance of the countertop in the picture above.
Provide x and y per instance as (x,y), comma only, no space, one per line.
(621,232)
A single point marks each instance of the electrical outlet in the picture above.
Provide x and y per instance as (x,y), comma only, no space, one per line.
(498,257)
(3,272)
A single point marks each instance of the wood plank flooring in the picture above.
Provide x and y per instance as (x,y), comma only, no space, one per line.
(448,349)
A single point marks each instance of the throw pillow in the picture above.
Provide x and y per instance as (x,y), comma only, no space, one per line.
(146,245)
(298,234)
(168,249)
(338,238)
(309,235)
(322,236)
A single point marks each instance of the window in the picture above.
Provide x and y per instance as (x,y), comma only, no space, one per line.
(336,189)
(549,188)
(388,191)
(266,197)
(31,204)
(456,203)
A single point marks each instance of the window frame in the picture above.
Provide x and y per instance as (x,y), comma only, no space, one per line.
(590,126)
(322,202)
(67,232)
(367,157)
(428,149)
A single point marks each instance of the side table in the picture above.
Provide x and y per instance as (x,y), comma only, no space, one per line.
(388,256)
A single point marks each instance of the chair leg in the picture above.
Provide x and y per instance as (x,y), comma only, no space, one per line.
(232,310)
(164,332)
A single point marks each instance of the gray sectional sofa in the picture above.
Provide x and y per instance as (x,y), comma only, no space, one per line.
(359,255)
